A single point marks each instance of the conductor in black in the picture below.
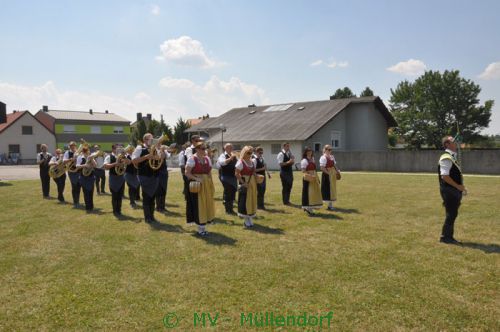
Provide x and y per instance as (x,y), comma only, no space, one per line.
(451,187)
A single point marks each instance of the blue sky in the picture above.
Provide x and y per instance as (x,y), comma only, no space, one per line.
(188,58)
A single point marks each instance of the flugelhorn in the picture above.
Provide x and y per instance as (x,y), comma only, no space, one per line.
(87,170)
(121,165)
(156,161)
(71,165)
(56,171)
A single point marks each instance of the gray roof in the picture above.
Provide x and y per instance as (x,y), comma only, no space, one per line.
(294,124)
(86,116)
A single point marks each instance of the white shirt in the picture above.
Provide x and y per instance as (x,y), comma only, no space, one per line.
(54,159)
(189,151)
(239,164)
(66,156)
(446,164)
(281,155)
(100,161)
(39,157)
(304,163)
(191,163)
(137,152)
(222,159)
(107,160)
(323,160)
(181,158)
(79,160)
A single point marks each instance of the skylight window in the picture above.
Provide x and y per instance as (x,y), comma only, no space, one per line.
(276,108)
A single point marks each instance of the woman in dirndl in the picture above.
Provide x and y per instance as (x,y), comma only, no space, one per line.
(200,206)
(329,174)
(311,194)
(247,192)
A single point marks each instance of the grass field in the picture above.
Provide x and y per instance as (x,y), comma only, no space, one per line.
(376,262)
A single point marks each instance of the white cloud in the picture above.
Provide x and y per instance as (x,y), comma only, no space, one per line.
(155,10)
(343,64)
(215,97)
(411,67)
(316,63)
(492,72)
(186,51)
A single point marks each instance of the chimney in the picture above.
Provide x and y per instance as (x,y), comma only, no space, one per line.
(106,111)
(90,111)
(45,108)
(253,105)
(139,116)
(3,113)
(149,116)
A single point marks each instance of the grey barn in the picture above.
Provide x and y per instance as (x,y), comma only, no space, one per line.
(352,124)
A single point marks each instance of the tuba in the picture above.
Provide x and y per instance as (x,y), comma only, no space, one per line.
(156,162)
(56,171)
(87,170)
(71,166)
(121,166)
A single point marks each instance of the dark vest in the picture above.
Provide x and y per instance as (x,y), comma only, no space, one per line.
(70,154)
(84,161)
(260,164)
(112,159)
(287,169)
(45,165)
(455,174)
(228,169)
(130,167)
(144,168)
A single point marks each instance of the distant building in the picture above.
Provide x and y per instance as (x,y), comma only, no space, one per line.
(101,128)
(352,124)
(21,135)
(147,120)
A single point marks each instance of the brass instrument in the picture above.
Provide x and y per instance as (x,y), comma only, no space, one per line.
(87,170)
(121,166)
(156,161)
(56,171)
(71,166)
(236,153)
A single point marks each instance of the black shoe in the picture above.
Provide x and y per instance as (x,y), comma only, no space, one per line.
(231,212)
(148,221)
(330,208)
(450,241)
(261,208)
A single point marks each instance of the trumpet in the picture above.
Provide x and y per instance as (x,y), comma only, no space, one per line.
(121,166)
(156,161)
(87,170)
(56,171)
(71,166)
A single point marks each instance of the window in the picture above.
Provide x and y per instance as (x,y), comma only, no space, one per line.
(237,147)
(27,130)
(336,142)
(277,108)
(275,148)
(317,147)
(38,148)
(95,129)
(69,129)
(14,148)
(118,130)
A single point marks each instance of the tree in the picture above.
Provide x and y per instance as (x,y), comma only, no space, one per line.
(435,105)
(154,128)
(180,136)
(367,92)
(343,93)
(138,132)
(164,128)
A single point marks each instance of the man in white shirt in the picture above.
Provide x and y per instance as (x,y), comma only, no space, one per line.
(227,162)
(451,188)
(286,161)
(99,172)
(43,159)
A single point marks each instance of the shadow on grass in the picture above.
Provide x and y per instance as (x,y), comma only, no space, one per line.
(326,216)
(221,221)
(172,205)
(125,217)
(158,226)
(274,211)
(342,210)
(266,229)
(5,184)
(170,213)
(216,239)
(97,211)
(487,248)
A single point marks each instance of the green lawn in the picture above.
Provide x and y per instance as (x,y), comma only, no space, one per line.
(376,262)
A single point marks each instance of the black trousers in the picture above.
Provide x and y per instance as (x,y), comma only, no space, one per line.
(75,192)
(451,201)
(88,196)
(229,196)
(100,178)
(132,194)
(148,206)
(185,191)
(161,195)
(116,199)
(286,183)
(45,178)
(61,183)
(261,190)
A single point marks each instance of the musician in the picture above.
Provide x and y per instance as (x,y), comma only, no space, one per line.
(247,193)
(70,156)
(190,151)
(60,181)
(147,176)
(311,194)
(451,188)
(227,162)
(87,182)
(286,161)
(261,168)
(200,207)
(131,178)
(43,159)
(99,172)
(182,164)
(161,191)
(116,182)
(329,174)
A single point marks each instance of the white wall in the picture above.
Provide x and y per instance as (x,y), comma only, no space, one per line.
(13,135)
